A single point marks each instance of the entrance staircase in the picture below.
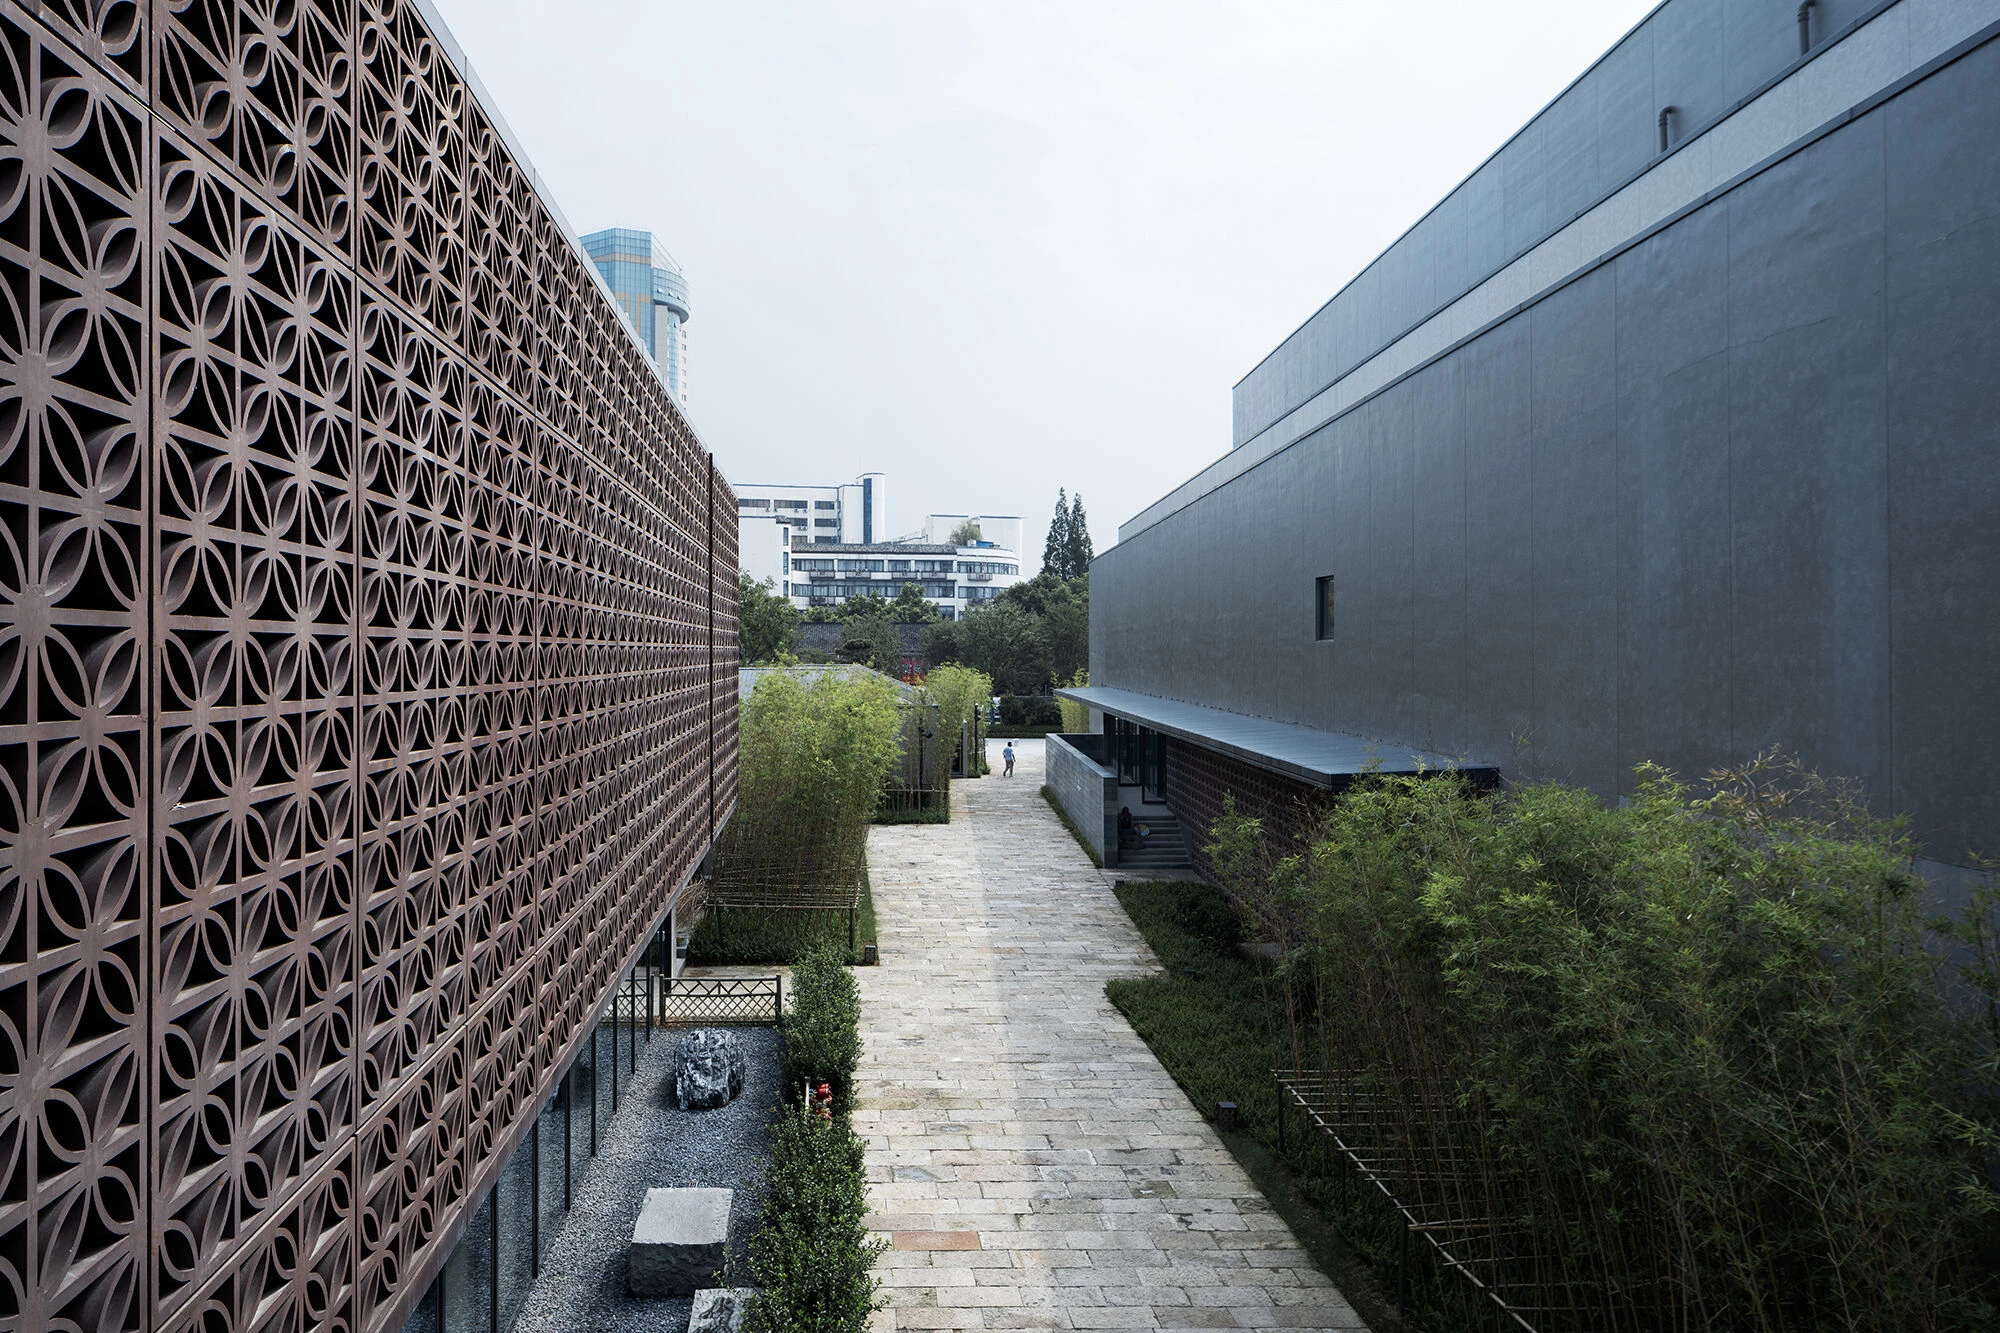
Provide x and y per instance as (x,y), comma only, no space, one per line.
(1165,847)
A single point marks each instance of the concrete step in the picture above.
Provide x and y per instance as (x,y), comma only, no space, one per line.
(1165,846)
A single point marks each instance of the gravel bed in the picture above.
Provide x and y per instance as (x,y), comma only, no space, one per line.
(651,1143)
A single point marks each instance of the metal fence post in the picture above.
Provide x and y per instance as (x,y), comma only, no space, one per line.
(778,1002)
(1281,1118)
(1403,1271)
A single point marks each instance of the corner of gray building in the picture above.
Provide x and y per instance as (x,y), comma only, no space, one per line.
(1672,434)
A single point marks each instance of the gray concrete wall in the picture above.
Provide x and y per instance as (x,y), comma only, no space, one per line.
(1701,57)
(1734,488)
(1088,793)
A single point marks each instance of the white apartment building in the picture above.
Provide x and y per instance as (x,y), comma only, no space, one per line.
(955,579)
(764,548)
(824,544)
(854,512)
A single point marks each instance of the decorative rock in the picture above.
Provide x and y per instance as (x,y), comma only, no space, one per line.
(708,1069)
(720,1309)
(678,1241)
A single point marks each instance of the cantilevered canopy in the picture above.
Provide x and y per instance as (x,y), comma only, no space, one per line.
(1323,758)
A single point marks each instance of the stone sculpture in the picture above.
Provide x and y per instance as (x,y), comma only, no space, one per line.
(708,1070)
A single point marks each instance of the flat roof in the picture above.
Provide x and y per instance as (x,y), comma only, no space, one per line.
(1323,758)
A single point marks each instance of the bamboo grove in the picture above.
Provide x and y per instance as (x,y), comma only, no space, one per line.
(815,747)
(1703,1061)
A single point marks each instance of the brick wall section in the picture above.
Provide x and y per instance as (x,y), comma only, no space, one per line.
(1088,793)
(1198,780)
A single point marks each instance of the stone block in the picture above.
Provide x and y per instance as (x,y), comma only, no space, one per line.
(708,1069)
(679,1241)
(720,1309)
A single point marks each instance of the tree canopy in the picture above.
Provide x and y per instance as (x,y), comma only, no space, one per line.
(766,620)
(1067,552)
(1055,550)
(1028,637)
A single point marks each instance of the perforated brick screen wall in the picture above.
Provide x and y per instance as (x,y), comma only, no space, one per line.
(368,665)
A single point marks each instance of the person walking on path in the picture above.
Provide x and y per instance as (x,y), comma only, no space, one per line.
(1007,754)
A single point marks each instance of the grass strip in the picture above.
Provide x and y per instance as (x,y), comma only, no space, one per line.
(1074,832)
(754,936)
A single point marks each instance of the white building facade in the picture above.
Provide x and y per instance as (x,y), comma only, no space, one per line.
(764,549)
(856,511)
(954,579)
(1002,530)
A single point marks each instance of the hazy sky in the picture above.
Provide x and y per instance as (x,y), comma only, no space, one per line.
(993,249)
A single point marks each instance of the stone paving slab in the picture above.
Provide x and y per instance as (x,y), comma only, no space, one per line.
(1030,1161)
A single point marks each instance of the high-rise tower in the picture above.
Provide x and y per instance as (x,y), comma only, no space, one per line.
(653,294)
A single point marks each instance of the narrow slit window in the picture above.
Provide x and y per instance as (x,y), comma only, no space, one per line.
(1324,601)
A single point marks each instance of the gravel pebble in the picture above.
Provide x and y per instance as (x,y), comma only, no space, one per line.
(652,1143)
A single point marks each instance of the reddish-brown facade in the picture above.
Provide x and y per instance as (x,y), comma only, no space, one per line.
(367,659)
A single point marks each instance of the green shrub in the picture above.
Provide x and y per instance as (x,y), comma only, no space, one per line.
(823,1031)
(1706,1049)
(1204,1017)
(1030,714)
(811,1255)
(931,806)
(1075,716)
(959,693)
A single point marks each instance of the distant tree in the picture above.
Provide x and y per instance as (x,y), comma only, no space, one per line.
(911,607)
(941,643)
(873,641)
(1061,607)
(965,534)
(1066,631)
(1056,550)
(1076,533)
(820,615)
(1036,594)
(1008,644)
(766,620)
(868,606)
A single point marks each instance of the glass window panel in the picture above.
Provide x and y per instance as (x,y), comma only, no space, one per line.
(468,1276)
(555,1117)
(516,1216)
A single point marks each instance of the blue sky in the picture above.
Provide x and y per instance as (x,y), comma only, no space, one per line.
(993,250)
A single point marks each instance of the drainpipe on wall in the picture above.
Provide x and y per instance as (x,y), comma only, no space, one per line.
(1805,27)
(1666,127)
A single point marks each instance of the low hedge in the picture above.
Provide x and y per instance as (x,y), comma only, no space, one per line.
(811,1255)
(823,1031)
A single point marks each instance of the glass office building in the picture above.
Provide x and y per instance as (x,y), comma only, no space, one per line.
(653,294)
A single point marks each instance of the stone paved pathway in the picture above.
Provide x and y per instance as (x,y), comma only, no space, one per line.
(1031,1161)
